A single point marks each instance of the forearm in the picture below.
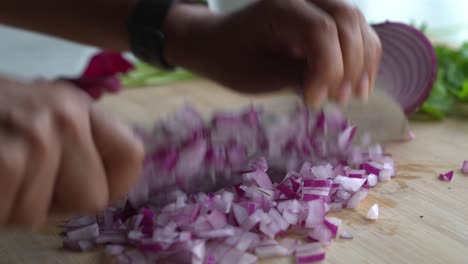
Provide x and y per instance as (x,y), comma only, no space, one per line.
(101,23)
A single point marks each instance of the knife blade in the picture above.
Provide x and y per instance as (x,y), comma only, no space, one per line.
(381,117)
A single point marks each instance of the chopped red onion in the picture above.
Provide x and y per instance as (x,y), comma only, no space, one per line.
(323,172)
(322,234)
(217,219)
(373,212)
(333,224)
(372,180)
(275,216)
(356,198)
(446,176)
(336,206)
(290,217)
(372,167)
(315,213)
(296,171)
(240,213)
(309,253)
(247,241)
(349,184)
(286,191)
(275,250)
(101,74)
(346,235)
(465,167)
(359,174)
(385,175)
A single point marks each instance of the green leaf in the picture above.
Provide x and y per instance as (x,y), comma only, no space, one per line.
(440,102)
(451,86)
(432,111)
(146,75)
(462,94)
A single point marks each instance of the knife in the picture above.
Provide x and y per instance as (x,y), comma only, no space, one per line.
(381,117)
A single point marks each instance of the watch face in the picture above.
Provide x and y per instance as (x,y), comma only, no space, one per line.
(145,30)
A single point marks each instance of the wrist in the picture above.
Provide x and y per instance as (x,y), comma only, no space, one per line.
(187,29)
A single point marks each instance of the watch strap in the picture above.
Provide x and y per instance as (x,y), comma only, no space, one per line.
(146,36)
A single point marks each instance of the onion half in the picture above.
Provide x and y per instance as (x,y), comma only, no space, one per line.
(408,67)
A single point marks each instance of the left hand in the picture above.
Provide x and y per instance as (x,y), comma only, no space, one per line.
(324,47)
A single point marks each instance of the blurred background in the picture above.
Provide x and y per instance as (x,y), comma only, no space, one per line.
(29,55)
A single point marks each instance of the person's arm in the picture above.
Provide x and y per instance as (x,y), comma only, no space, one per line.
(324,47)
(101,23)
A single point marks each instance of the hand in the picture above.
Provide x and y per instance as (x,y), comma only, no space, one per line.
(59,154)
(322,46)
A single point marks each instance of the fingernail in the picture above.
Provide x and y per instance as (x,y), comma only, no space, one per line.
(345,92)
(363,89)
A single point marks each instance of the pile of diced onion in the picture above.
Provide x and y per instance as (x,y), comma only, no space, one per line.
(268,182)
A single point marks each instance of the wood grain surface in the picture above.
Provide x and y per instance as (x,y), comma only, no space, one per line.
(422,219)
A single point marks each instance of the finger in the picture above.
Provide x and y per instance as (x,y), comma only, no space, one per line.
(81,186)
(321,46)
(120,150)
(13,155)
(348,23)
(35,194)
(372,54)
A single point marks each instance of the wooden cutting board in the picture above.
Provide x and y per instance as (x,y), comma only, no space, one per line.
(422,219)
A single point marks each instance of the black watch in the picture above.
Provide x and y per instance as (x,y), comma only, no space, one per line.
(145,28)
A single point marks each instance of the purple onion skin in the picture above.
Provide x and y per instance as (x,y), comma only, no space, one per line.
(425,90)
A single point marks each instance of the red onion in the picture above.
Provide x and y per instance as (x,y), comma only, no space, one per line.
(269,251)
(356,198)
(409,66)
(333,224)
(284,182)
(372,180)
(464,168)
(310,253)
(349,184)
(446,176)
(373,212)
(346,235)
(101,74)
(385,175)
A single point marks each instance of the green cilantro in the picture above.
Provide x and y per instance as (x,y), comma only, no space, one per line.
(147,75)
(451,86)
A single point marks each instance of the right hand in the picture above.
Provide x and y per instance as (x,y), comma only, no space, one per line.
(324,47)
(59,154)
